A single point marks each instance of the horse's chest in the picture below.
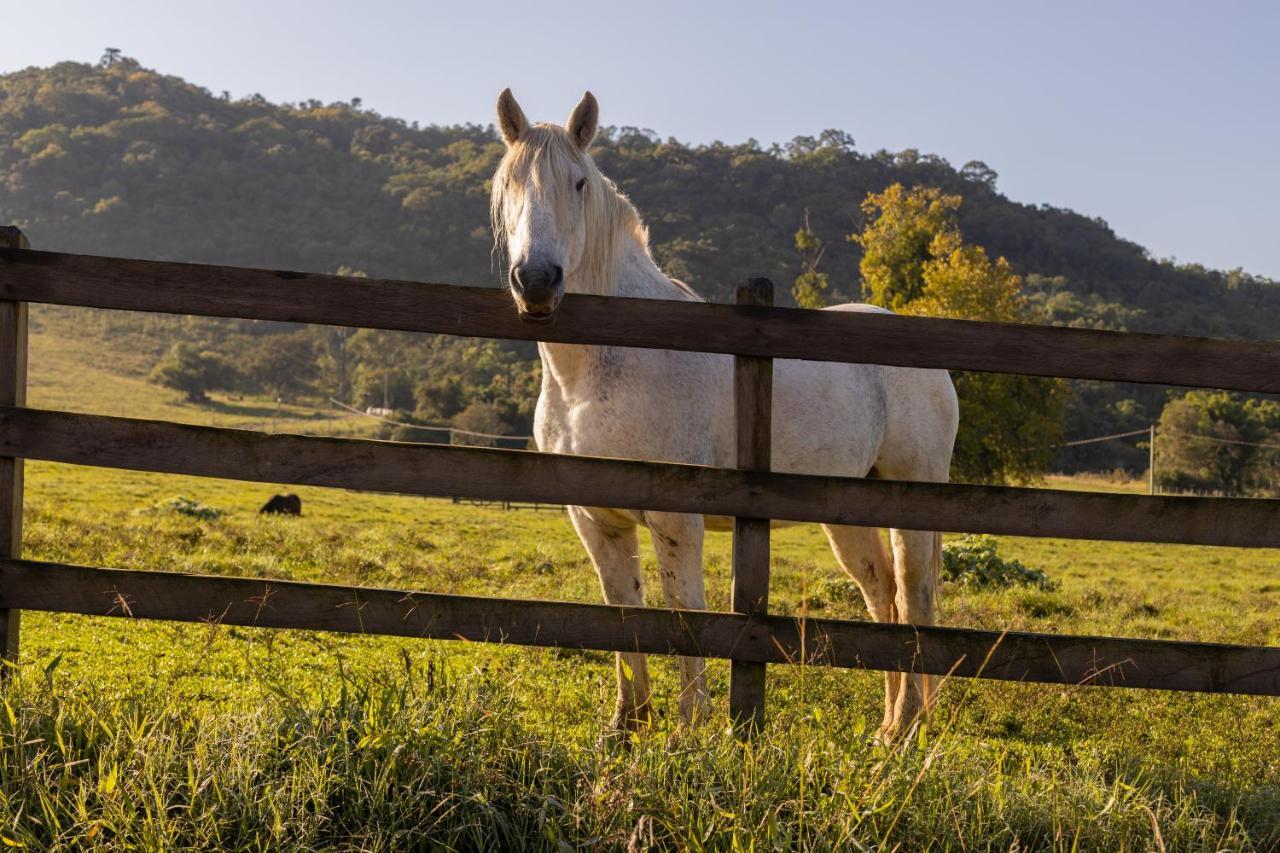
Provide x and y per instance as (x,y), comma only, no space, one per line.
(623,419)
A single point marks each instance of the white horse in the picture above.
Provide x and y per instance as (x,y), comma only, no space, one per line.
(565,227)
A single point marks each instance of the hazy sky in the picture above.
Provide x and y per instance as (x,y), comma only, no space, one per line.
(1162,118)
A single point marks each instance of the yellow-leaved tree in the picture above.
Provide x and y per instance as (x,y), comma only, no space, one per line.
(898,239)
(915,262)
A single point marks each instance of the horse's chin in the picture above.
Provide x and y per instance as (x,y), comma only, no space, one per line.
(537,319)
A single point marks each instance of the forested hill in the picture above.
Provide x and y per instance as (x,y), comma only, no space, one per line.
(118,159)
(127,161)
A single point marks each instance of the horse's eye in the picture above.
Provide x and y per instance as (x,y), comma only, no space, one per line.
(582,182)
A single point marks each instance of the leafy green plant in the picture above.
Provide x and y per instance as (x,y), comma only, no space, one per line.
(973,562)
(183,505)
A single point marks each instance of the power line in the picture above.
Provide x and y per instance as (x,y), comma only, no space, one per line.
(1102,438)
(429,427)
(452,431)
(1218,440)
(1192,435)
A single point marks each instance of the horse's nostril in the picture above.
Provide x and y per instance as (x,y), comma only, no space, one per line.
(534,280)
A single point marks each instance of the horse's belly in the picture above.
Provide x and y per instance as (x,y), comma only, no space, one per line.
(724,523)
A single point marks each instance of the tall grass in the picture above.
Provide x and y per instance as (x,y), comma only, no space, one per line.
(430,755)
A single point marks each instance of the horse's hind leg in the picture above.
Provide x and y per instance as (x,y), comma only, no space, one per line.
(916,556)
(677,542)
(861,553)
(614,552)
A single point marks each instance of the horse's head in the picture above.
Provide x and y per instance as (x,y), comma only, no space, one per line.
(545,193)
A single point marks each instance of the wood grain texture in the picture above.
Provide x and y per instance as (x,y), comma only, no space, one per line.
(13,392)
(753,423)
(138,285)
(1050,658)
(526,476)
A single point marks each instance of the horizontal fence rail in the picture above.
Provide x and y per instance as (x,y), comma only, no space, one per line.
(491,474)
(1099,661)
(872,338)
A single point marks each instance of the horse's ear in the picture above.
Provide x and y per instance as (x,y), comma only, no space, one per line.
(511,120)
(583,121)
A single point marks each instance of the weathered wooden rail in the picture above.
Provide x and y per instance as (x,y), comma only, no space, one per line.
(253,294)
(755,333)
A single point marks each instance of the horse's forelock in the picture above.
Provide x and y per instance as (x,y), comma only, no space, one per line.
(544,158)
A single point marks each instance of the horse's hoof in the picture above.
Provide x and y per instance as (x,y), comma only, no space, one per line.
(625,724)
(895,735)
(615,740)
(634,719)
(886,735)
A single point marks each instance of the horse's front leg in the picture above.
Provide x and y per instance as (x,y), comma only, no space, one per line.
(677,542)
(611,543)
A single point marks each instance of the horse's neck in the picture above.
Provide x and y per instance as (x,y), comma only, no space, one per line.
(635,276)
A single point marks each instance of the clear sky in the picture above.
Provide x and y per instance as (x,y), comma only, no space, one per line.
(1163,118)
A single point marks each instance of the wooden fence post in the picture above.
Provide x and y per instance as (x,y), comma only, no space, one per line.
(13,392)
(753,410)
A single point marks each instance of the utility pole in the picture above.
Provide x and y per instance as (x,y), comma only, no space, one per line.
(1151,460)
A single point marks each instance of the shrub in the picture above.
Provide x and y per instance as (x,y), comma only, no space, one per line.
(479,417)
(973,562)
(194,372)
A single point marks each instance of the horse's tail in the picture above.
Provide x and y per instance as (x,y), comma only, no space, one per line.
(935,561)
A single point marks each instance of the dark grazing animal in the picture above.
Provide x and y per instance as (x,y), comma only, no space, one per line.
(282,505)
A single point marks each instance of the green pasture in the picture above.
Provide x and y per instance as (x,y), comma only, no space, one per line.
(120,734)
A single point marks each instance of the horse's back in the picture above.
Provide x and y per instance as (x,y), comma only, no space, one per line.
(860,307)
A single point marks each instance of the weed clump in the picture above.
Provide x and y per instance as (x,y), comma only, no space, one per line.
(973,562)
(182,505)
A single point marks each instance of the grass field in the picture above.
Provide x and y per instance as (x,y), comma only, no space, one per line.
(124,735)
(81,362)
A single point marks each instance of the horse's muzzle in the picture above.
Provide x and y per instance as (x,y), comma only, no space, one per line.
(537,290)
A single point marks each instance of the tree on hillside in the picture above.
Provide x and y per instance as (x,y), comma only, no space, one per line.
(808,289)
(1009,424)
(283,365)
(896,242)
(1216,441)
(194,372)
(331,345)
(976,170)
(382,375)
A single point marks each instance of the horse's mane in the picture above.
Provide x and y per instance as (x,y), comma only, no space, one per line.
(685,289)
(546,154)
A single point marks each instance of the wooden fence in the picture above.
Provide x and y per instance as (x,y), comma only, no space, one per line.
(755,333)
